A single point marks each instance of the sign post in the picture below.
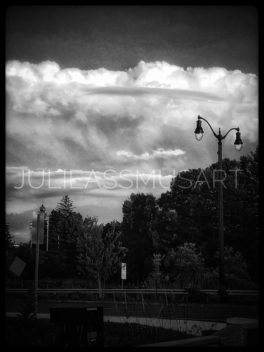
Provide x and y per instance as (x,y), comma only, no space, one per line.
(123,273)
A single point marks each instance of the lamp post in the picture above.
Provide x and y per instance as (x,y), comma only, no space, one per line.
(238,145)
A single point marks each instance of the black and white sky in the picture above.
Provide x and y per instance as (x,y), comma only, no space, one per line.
(102,101)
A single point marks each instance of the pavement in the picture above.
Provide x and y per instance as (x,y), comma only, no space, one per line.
(189,311)
(236,331)
(230,321)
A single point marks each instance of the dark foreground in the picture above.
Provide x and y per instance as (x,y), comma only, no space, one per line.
(42,332)
(158,309)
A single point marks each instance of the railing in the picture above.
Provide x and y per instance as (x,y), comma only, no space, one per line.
(132,291)
(166,303)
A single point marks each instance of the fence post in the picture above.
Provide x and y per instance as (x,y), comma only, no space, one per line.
(116,306)
(166,299)
(125,300)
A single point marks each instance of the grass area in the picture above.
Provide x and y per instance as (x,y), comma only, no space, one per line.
(41,332)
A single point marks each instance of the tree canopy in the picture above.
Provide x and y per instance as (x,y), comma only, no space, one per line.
(173,237)
(187,213)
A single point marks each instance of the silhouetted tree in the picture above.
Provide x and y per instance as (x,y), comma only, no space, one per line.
(137,234)
(65,228)
(65,206)
(99,253)
(193,195)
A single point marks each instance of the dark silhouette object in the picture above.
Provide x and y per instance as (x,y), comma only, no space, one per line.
(75,324)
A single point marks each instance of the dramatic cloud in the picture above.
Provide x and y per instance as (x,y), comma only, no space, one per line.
(140,120)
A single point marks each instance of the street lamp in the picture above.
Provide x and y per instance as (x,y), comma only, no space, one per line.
(238,145)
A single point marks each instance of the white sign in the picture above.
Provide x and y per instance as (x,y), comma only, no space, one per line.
(17,266)
(123,271)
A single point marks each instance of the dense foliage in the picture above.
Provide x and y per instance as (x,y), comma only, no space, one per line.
(170,240)
(99,252)
(185,217)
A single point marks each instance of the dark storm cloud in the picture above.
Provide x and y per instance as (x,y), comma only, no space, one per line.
(117,37)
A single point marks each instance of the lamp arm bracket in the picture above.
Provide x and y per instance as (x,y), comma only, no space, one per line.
(202,118)
(231,129)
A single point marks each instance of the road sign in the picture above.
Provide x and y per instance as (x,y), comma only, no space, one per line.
(123,271)
(17,266)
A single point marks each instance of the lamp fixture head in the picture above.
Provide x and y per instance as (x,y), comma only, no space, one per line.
(199,130)
(238,142)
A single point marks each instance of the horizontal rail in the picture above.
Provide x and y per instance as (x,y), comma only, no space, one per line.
(83,290)
(133,291)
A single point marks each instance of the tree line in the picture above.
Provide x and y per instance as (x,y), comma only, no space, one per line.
(171,240)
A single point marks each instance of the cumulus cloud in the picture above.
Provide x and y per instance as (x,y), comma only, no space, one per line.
(139,119)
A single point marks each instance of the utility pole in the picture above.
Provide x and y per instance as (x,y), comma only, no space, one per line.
(47,242)
(40,215)
(36,268)
(30,229)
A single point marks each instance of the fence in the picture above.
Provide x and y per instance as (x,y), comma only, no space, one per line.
(134,291)
(142,295)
